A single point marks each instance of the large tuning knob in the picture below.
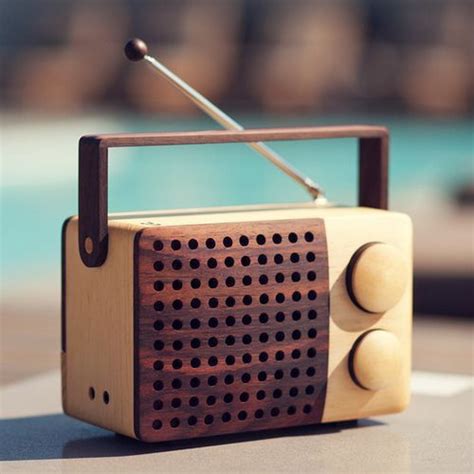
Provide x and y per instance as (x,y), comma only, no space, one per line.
(376,277)
(375,360)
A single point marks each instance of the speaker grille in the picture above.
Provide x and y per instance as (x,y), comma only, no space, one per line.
(231,328)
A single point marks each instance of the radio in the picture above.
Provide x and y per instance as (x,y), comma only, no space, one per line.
(200,322)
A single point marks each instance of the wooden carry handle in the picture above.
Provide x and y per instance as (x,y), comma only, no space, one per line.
(93,169)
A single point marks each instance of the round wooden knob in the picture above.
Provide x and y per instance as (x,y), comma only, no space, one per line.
(375,360)
(377,276)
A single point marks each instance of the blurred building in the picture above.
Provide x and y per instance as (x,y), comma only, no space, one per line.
(277,55)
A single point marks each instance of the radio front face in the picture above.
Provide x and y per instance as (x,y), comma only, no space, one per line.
(240,321)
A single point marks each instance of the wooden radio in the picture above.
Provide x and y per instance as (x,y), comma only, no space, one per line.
(200,322)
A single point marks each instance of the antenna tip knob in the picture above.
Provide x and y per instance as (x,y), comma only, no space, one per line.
(136,49)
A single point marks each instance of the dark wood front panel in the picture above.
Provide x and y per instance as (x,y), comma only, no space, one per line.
(231,328)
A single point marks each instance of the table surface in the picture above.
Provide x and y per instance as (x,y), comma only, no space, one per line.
(434,435)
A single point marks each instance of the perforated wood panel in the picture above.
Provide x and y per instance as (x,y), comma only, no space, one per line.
(231,328)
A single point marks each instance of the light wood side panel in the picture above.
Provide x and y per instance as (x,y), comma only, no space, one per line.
(346,400)
(99,332)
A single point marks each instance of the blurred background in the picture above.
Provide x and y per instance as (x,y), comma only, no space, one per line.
(405,64)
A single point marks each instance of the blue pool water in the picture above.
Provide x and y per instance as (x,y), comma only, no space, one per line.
(39,180)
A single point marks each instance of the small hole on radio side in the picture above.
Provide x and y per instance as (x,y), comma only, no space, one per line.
(91,393)
(106,397)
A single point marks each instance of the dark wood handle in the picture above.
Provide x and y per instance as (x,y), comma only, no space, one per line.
(93,169)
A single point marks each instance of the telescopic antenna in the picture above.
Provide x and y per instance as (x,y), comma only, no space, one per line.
(136,50)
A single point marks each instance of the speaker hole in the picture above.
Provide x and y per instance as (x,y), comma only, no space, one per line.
(158,385)
(291,410)
(263,279)
(259,413)
(277,393)
(263,318)
(174,423)
(263,337)
(275,411)
(177,305)
(278,259)
(312,333)
(208,419)
(176,384)
(247,358)
(262,259)
(210,243)
(175,244)
(213,322)
(242,415)
(294,373)
(177,324)
(194,263)
(177,345)
(158,325)
(309,390)
(177,364)
(212,381)
(229,262)
(262,376)
(279,374)
(261,395)
(158,266)
(296,334)
(230,282)
(312,314)
(230,301)
(195,303)
(195,283)
(264,298)
(307,409)
(261,239)
(263,356)
(228,397)
(310,371)
(195,323)
(192,420)
(244,240)
(280,316)
(193,401)
(295,258)
(195,343)
(230,340)
(159,306)
(312,295)
(279,355)
(212,342)
(176,402)
(276,238)
(295,354)
(177,264)
(212,361)
(311,275)
(245,261)
(311,352)
(157,405)
(280,298)
(158,365)
(157,425)
(229,379)
(159,345)
(227,241)
(244,397)
(195,362)
(310,257)
(213,303)
(293,392)
(194,382)
(280,336)
(159,285)
(230,360)
(245,377)
(292,237)
(308,236)
(295,277)
(193,244)
(279,278)
(213,283)
(246,319)
(158,245)
(247,280)
(296,315)
(212,263)
(226,417)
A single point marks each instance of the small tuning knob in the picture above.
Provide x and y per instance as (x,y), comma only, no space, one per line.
(375,360)
(376,277)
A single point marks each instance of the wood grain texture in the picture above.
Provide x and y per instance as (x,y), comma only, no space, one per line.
(93,164)
(98,332)
(231,335)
